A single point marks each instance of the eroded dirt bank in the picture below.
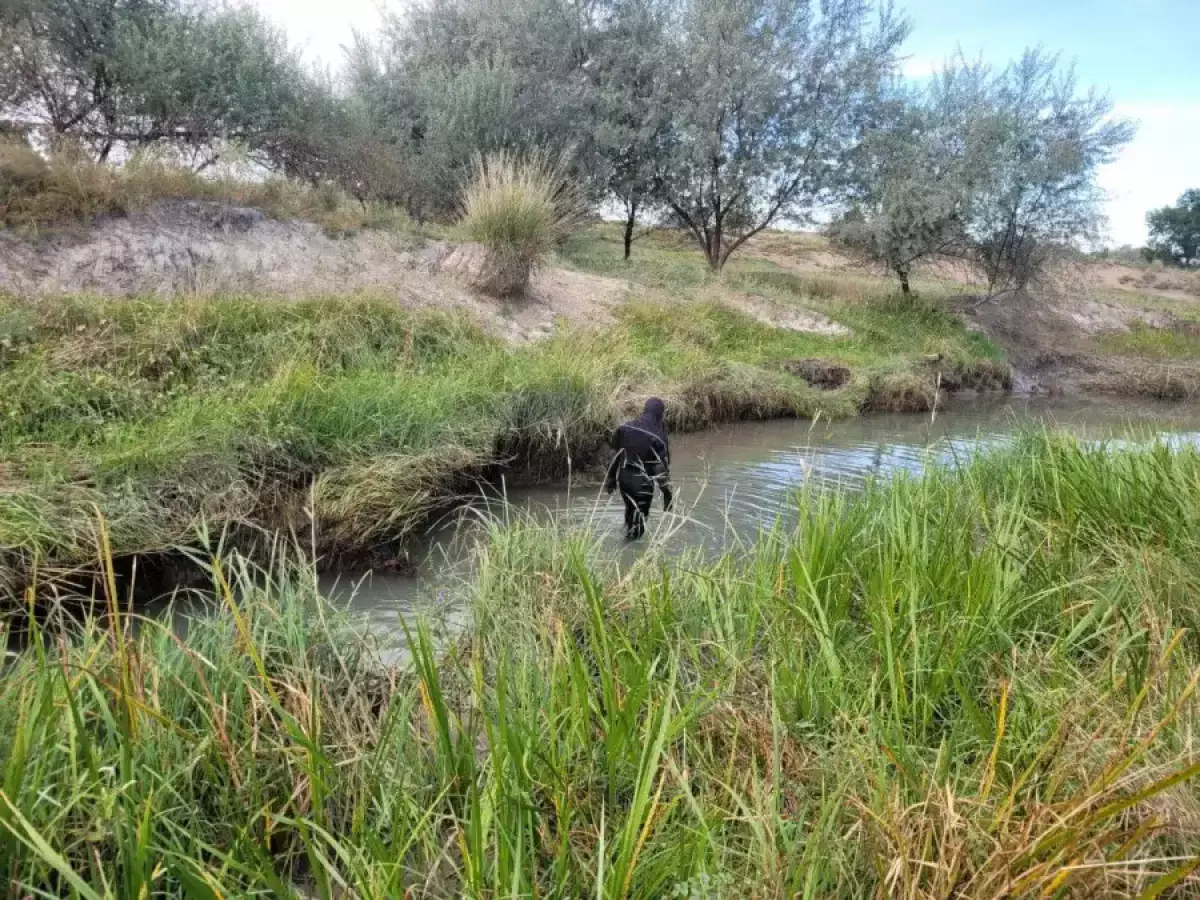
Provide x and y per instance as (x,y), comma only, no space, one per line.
(1057,346)
(205,248)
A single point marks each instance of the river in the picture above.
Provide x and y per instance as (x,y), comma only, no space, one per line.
(734,479)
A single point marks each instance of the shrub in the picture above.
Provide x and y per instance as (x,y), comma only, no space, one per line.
(517,208)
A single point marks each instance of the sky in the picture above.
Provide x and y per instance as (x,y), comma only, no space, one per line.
(1144,53)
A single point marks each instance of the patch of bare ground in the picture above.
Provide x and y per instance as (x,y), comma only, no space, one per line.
(554,295)
(780,315)
(207,248)
(1175,284)
(801,252)
(1052,344)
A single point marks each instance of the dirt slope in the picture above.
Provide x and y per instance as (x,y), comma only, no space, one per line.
(206,248)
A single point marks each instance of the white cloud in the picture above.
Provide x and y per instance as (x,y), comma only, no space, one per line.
(919,66)
(322,27)
(1157,166)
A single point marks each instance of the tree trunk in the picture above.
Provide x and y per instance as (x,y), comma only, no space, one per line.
(904,288)
(714,246)
(630,223)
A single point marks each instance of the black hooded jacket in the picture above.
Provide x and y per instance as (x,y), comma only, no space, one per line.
(642,445)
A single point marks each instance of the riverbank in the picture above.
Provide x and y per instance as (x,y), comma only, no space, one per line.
(351,420)
(1091,328)
(976,683)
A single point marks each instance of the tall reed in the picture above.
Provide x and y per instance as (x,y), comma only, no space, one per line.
(977,683)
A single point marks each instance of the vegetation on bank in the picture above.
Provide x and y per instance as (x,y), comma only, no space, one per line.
(364,415)
(65,187)
(637,98)
(1180,343)
(977,683)
(518,209)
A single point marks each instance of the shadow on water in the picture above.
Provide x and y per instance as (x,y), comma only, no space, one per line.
(737,479)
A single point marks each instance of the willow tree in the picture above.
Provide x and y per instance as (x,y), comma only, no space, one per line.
(634,109)
(1049,140)
(768,97)
(994,169)
(914,176)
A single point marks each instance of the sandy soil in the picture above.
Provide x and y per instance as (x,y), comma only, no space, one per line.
(792,318)
(201,248)
(1167,283)
(1051,345)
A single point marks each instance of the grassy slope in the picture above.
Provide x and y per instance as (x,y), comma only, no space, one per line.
(974,684)
(1155,343)
(245,411)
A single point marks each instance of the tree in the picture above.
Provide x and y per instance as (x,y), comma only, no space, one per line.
(12,87)
(203,76)
(331,137)
(915,218)
(913,176)
(1044,144)
(1175,230)
(452,79)
(997,170)
(137,72)
(633,133)
(769,95)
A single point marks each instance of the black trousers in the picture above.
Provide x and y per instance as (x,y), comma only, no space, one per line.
(637,490)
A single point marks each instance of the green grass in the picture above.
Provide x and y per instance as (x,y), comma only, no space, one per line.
(367,415)
(1155,343)
(669,261)
(169,416)
(973,684)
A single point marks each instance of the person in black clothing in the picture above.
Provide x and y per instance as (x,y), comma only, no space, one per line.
(643,460)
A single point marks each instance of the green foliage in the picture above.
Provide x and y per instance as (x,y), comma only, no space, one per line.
(634,108)
(448,81)
(954,685)
(66,184)
(233,410)
(996,170)
(767,98)
(1045,145)
(1175,230)
(1182,342)
(139,72)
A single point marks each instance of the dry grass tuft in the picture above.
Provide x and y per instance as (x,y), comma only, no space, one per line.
(68,185)
(518,209)
(903,391)
(385,497)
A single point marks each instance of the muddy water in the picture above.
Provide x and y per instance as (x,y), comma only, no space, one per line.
(735,479)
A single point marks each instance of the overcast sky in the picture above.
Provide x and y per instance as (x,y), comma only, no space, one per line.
(1145,53)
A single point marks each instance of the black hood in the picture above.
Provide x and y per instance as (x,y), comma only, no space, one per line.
(651,419)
